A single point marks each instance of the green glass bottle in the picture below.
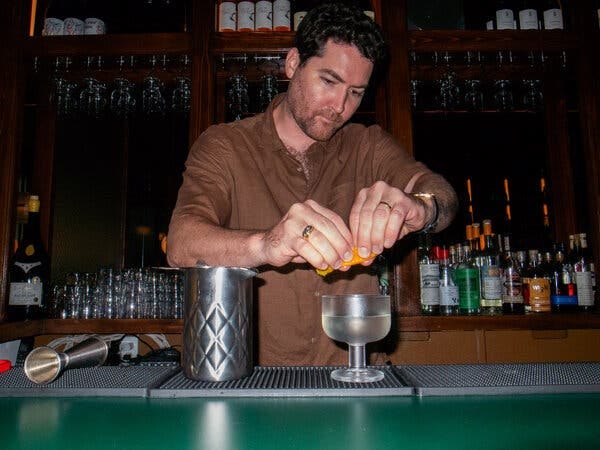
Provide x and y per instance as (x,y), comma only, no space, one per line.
(467,279)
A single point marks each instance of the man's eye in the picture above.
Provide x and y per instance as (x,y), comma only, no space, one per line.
(357,93)
(327,81)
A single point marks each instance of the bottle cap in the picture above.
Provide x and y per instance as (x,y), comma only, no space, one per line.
(5,365)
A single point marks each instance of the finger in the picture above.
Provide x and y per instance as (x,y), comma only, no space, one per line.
(381,217)
(334,234)
(394,227)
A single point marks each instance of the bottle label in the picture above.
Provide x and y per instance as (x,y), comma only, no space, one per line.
(563,300)
(467,280)
(74,26)
(245,16)
(491,283)
(53,27)
(227,16)
(430,283)
(553,19)
(489,25)
(528,19)
(94,26)
(26,294)
(585,292)
(539,294)
(264,15)
(505,19)
(281,15)
(449,295)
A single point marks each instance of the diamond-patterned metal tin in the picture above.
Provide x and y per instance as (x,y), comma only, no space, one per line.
(217,332)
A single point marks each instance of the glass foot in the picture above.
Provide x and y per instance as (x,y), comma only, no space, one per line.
(357,375)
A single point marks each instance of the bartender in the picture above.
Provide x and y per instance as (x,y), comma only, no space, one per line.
(298,188)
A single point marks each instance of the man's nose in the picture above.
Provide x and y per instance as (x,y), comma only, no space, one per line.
(339,102)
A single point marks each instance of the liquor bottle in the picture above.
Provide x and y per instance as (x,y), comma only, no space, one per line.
(505,16)
(448,289)
(245,15)
(281,15)
(227,12)
(512,287)
(536,285)
(429,277)
(299,9)
(584,275)
(563,289)
(552,15)
(54,23)
(491,281)
(528,16)
(74,19)
(367,8)
(95,20)
(263,15)
(28,270)
(466,277)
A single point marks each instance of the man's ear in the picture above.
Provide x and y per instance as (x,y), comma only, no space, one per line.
(292,61)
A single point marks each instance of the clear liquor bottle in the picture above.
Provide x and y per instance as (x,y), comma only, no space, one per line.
(448,288)
(491,281)
(429,277)
(552,15)
(584,275)
(563,289)
(528,16)
(512,286)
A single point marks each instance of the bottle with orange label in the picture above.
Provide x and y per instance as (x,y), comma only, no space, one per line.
(28,270)
(536,285)
(226,15)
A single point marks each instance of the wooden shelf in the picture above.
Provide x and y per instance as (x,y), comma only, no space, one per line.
(488,41)
(109,45)
(10,331)
(266,42)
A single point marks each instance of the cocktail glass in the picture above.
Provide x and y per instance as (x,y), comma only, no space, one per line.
(356,319)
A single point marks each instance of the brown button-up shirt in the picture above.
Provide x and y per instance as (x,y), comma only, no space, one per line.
(240,176)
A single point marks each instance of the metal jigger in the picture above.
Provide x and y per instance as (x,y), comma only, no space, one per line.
(44,364)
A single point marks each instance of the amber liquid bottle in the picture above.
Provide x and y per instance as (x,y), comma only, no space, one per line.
(28,270)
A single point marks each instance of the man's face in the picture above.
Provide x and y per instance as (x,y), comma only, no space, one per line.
(326,91)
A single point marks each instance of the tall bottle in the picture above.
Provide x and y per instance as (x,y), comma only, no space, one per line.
(263,15)
(563,290)
(448,289)
(281,15)
(466,277)
(491,281)
(75,19)
(28,270)
(512,287)
(245,15)
(299,9)
(584,275)
(505,15)
(429,277)
(528,16)
(552,15)
(536,285)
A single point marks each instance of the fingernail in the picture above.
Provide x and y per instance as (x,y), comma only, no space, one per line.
(337,264)
(363,252)
(377,249)
(347,256)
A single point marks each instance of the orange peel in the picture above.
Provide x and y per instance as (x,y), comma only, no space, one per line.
(356,259)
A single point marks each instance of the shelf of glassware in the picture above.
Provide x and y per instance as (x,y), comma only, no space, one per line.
(548,321)
(110,44)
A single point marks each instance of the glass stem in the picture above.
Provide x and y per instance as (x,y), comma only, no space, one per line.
(357,356)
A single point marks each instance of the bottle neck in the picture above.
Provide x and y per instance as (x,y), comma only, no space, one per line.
(32,228)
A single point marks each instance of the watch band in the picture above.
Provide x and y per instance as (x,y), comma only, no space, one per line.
(433,222)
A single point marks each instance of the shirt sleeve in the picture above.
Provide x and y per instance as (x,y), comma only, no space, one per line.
(205,193)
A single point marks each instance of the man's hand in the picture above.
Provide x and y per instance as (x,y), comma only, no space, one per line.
(382,214)
(328,243)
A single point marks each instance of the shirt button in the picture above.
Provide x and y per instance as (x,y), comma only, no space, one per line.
(313,340)
(317,294)
(298,169)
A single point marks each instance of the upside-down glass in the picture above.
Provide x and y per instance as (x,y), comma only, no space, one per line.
(356,319)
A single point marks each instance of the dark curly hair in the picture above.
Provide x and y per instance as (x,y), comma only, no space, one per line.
(343,23)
